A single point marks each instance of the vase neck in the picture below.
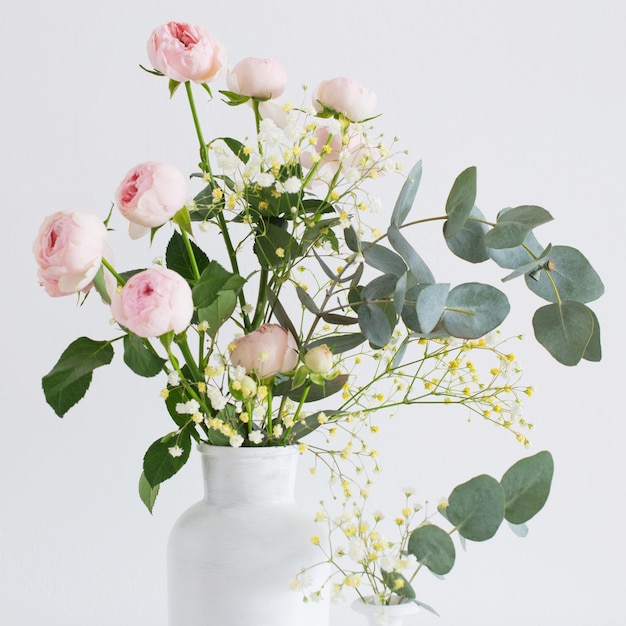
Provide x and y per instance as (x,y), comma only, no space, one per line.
(234,476)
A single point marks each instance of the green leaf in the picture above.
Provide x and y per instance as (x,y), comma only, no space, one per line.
(274,246)
(380,287)
(375,325)
(315,392)
(279,312)
(512,258)
(140,358)
(397,583)
(172,86)
(431,302)
(306,300)
(416,265)
(476,508)
(474,309)
(460,202)
(565,330)
(513,225)
(531,267)
(594,349)
(406,198)
(159,464)
(340,320)
(67,382)
(339,343)
(147,493)
(383,259)
(177,258)
(213,280)
(526,486)
(237,148)
(100,285)
(433,547)
(468,243)
(218,312)
(573,276)
(181,217)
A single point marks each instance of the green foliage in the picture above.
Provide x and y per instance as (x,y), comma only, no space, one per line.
(476,508)
(460,202)
(162,459)
(526,487)
(432,547)
(67,382)
(141,357)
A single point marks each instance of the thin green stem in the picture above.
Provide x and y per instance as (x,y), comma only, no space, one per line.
(190,254)
(204,154)
(118,278)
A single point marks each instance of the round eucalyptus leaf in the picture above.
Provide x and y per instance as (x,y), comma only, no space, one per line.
(468,244)
(526,487)
(430,305)
(381,287)
(512,258)
(474,309)
(433,547)
(374,324)
(572,275)
(565,330)
(476,508)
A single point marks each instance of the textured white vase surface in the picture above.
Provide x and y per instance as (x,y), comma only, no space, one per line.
(232,556)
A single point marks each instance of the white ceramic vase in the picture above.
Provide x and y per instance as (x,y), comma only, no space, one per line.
(232,556)
(384,615)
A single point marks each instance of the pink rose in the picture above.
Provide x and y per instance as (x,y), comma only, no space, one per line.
(266,351)
(69,250)
(345,96)
(154,302)
(257,78)
(150,194)
(184,52)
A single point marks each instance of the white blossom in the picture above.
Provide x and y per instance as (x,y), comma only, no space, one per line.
(235,441)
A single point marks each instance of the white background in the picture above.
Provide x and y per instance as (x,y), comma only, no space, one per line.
(531,92)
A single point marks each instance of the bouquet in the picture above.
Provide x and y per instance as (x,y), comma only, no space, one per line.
(280,313)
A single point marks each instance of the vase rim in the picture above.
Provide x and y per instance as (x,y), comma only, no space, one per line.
(256,452)
(368,604)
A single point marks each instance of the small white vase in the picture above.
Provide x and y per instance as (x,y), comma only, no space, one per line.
(232,556)
(384,614)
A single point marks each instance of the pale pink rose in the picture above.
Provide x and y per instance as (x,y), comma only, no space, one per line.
(69,249)
(345,96)
(150,194)
(257,78)
(184,52)
(154,302)
(266,351)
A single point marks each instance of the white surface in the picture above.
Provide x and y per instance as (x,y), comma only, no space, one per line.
(532,93)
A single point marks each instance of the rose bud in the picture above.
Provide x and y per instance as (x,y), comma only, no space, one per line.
(257,78)
(266,351)
(154,302)
(150,194)
(319,359)
(345,96)
(185,53)
(69,249)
